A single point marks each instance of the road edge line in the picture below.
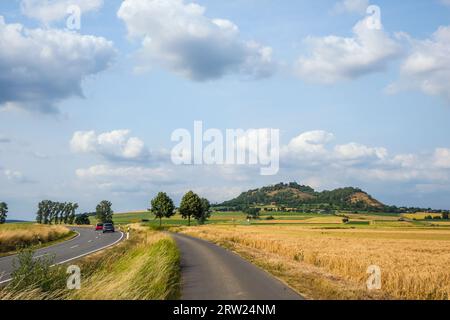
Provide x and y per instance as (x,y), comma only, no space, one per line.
(91,252)
(80,256)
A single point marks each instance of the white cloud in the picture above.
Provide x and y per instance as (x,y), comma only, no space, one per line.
(128,174)
(16,176)
(40,67)
(312,157)
(13,175)
(355,151)
(179,37)
(406,160)
(48,11)
(427,67)
(114,145)
(334,58)
(84,142)
(442,158)
(352,6)
(310,143)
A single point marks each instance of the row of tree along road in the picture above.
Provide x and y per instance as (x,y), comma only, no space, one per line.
(192,206)
(162,206)
(50,212)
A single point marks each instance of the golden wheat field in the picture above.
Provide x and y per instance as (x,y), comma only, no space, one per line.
(332,263)
(14,236)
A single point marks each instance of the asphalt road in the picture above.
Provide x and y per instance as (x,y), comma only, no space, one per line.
(86,242)
(210,272)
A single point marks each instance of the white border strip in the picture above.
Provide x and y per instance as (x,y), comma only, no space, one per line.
(80,256)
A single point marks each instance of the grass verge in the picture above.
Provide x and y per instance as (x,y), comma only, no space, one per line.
(146,267)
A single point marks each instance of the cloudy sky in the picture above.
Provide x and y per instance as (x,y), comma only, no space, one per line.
(88,114)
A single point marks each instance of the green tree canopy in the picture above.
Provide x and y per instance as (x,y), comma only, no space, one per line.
(104,212)
(162,207)
(206,211)
(191,206)
(3,212)
(71,213)
(252,212)
(82,219)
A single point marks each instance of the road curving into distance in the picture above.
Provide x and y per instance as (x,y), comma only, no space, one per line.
(210,272)
(86,242)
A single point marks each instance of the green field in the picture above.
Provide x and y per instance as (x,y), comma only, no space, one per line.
(310,220)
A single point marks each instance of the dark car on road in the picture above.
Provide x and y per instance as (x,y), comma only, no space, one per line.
(108,227)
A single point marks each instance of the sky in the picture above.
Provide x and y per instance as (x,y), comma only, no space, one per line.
(359,90)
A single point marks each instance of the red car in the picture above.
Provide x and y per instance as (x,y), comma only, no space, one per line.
(99,227)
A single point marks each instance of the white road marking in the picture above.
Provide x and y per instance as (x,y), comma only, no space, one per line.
(90,241)
(80,256)
(53,245)
(93,251)
(74,246)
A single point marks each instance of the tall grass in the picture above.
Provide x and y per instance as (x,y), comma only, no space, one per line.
(414,264)
(15,236)
(146,267)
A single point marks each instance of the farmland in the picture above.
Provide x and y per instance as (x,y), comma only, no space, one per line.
(323,258)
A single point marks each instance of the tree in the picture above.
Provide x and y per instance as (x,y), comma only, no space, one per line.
(39,213)
(82,219)
(66,212)
(162,207)
(191,206)
(45,211)
(445,216)
(72,215)
(206,211)
(52,211)
(252,213)
(60,212)
(104,212)
(3,212)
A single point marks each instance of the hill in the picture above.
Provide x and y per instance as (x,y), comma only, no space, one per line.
(294,195)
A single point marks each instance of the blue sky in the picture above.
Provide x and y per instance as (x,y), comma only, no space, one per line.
(355,106)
